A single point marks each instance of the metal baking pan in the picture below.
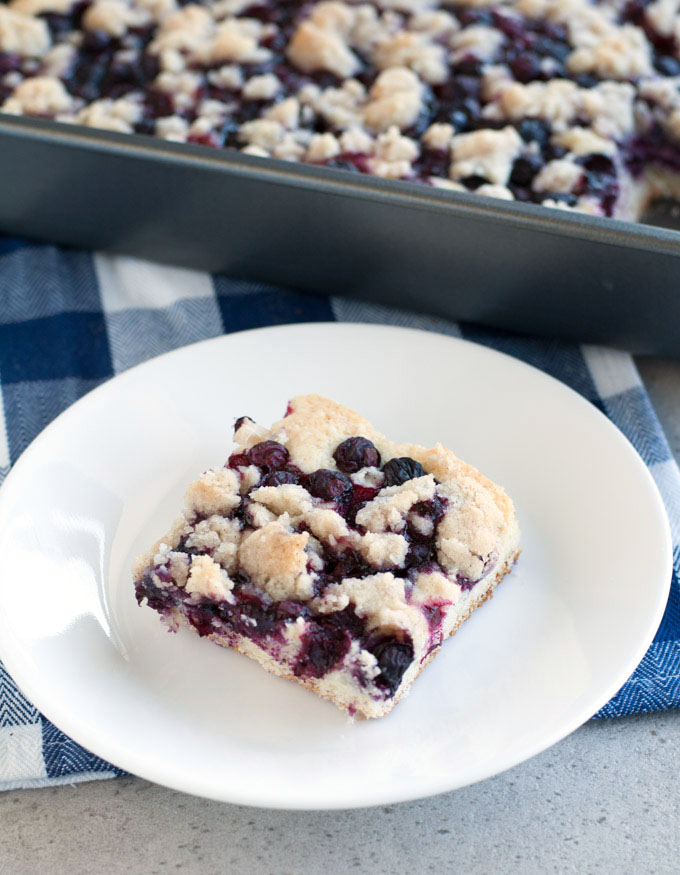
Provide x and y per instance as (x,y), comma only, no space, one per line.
(514,266)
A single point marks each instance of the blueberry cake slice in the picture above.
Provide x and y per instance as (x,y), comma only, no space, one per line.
(331,555)
(573,104)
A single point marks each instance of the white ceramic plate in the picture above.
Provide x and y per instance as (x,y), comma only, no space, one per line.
(563,633)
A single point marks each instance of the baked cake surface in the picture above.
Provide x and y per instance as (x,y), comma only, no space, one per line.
(332,555)
(568,103)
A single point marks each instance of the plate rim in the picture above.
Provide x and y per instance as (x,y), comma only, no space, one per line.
(129,760)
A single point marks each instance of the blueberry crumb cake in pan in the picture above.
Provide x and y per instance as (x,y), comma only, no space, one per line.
(331,555)
(568,103)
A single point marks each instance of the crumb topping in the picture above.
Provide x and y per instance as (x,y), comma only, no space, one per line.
(42,95)
(506,98)
(113,17)
(275,558)
(206,578)
(487,154)
(23,34)
(216,492)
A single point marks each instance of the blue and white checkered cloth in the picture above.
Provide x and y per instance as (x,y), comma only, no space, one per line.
(70,320)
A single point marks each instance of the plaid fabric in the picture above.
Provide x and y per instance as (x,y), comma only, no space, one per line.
(71,320)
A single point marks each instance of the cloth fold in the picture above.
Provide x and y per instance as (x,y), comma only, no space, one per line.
(70,320)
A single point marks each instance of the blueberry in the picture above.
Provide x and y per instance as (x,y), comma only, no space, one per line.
(349,563)
(434,615)
(9,62)
(431,509)
(668,65)
(599,179)
(475,16)
(553,153)
(419,555)
(356,453)
(471,107)
(394,657)
(467,87)
(324,80)
(59,25)
(465,583)
(552,48)
(526,68)
(160,103)
(95,41)
(398,471)
(241,579)
(525,169)
(289,610)
(268,454)
(88,80)
(276,42)
(602,165)
(555,31)
(433,162)
(342,164)
(123,71)
(329,485)
(228,132)
(460,120)
(456,89)
(469,65)
(510,26)
(464,115)
(279,478)
(634,11)
(534,130)
(145,126)
(474,182)
(149,67)
(157,598)
(323,646)
(201,616)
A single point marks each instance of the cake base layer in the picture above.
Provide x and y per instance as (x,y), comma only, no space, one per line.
(359,706)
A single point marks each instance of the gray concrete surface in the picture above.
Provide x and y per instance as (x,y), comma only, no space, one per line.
(606,799)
